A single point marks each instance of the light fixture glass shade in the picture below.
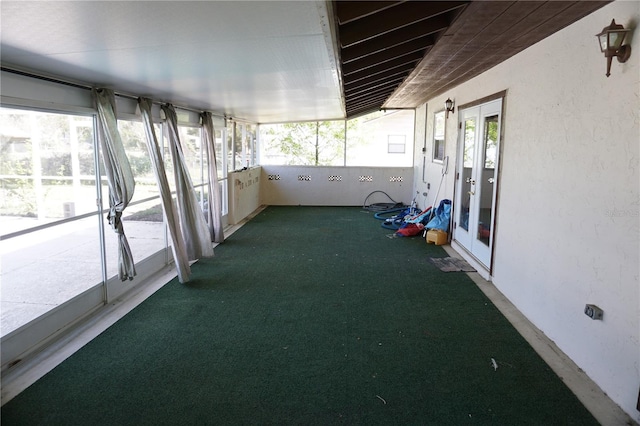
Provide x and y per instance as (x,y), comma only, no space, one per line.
(611,38)
(603,42)
(615,39)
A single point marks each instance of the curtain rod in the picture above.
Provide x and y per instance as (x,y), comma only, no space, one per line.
(88,87)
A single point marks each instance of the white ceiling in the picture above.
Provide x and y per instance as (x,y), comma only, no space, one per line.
(263,61)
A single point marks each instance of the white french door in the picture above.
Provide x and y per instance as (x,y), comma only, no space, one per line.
(476,176)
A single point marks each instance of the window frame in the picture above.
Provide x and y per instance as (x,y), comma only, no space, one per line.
(395,143)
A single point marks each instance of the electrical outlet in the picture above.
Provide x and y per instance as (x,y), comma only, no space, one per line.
(428,186)
(593,312)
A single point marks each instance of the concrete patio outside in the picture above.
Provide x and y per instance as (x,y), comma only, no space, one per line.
(45,268)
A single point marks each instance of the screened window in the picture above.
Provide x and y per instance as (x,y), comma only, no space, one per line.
(249,148)
(143,218)
(219,146)
(47,175)
(195,159)
(135,145)
(191,142)
(231,131)
(47,166)
(238,146)
(56,241)
(378,139)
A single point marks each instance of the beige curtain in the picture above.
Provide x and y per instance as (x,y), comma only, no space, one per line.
(214,212)
(171,217)
(119,176)
(192,221)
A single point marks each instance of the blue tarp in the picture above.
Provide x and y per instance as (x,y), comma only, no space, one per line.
(441,217)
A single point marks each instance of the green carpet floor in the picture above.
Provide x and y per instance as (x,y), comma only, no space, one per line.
(307,316)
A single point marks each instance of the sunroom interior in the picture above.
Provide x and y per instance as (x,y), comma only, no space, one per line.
(559,213)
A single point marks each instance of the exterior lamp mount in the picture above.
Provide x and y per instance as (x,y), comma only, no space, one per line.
(449,106)
(610,40)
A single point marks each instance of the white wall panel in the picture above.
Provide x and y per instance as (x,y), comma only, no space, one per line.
(334,186)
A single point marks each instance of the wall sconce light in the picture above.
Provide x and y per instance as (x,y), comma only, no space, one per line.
(610,40)
(448,105)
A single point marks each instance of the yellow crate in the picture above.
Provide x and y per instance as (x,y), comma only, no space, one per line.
(437,237)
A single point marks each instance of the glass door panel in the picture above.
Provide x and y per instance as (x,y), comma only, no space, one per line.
(490,143)
(467,168)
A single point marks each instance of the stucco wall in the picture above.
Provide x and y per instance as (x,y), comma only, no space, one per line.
(568,223)
(334,186)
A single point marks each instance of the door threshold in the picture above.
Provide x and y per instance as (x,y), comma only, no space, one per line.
(482,270)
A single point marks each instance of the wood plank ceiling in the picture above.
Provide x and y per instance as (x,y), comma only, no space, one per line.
(399,54)
(382,42)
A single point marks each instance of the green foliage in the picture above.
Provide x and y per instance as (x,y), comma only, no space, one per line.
(310,143)
(45,141)
(18,197)
(132,138)
(87,163)
(15,166)
(320,143)
(56,164)
(140,164)
(135,145)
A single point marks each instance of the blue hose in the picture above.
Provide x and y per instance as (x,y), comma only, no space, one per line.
(381,215)
(392,222)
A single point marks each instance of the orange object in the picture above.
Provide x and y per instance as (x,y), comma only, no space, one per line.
(437,237)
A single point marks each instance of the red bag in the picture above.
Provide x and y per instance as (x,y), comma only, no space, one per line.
(410,229)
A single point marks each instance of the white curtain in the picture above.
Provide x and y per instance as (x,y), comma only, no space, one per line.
(192,221)
(214,212)
(119,176)
(171,218)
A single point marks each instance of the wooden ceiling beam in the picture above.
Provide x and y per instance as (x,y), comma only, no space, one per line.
(367,101)
(387,89)
(353,68)
(382,73)
(368,83)
(416,48)
(398,50)
(365,107)
(390,86)
(348,11)
(397,37)
(395,17)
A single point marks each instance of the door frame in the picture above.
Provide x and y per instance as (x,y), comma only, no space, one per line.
(486,271)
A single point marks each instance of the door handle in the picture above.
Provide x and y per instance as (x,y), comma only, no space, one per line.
(491,180)
(472,192)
